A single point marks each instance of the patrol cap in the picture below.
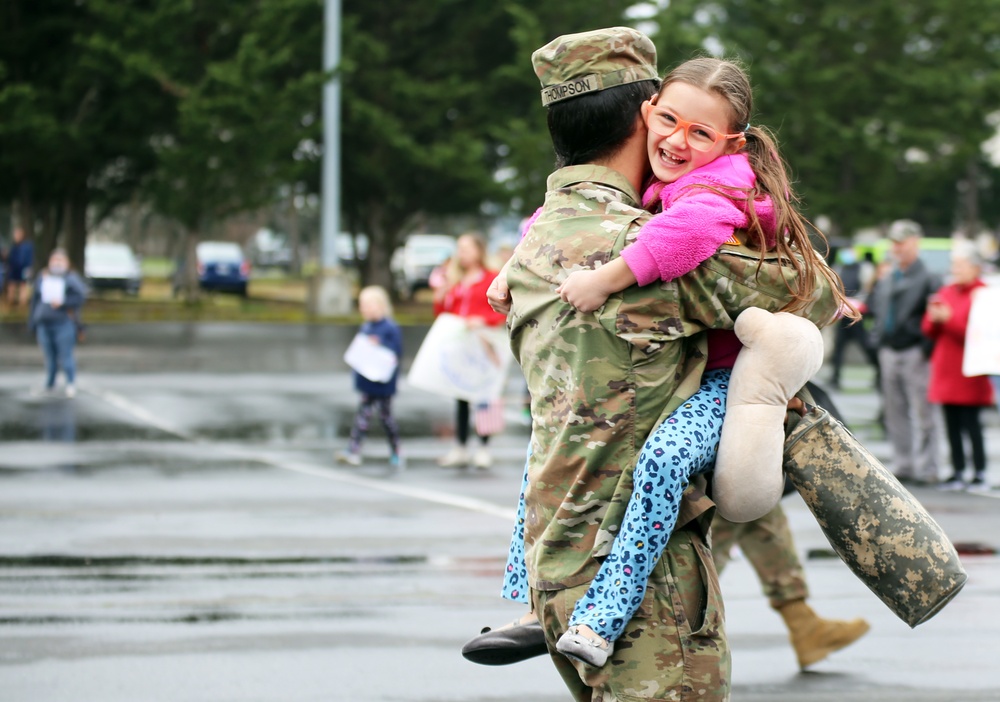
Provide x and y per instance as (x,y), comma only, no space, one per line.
(903,229)
(577,64)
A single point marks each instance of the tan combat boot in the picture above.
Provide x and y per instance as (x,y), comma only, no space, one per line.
(814,638)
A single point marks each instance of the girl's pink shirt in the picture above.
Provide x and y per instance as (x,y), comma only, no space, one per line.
(694,222)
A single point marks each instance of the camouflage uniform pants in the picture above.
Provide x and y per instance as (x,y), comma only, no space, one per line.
(768,545)
(674,647)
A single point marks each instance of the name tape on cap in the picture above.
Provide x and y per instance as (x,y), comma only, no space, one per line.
(571,88)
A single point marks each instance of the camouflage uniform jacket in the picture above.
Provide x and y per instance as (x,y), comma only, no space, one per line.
(601,382)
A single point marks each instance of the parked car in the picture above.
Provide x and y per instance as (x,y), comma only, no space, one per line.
(110,266)
(222,267)
(270,250)
(413,262)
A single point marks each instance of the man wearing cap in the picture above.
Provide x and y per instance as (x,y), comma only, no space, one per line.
(601,382)
(898,303)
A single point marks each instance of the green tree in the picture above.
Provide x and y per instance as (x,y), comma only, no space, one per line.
(248,85)
(442,112)
(75,128)
(880,107)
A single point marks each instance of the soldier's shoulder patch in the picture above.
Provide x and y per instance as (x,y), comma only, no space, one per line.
(732,241)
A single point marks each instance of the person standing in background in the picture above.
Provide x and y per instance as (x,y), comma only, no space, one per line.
(898,303)
(56,301)
(466,297)
(379,325)
(20,259)
(852,273)
(961,398)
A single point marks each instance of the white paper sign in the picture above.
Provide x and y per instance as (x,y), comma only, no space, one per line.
(982,337)
(466,364)
(371,359)
(53,289)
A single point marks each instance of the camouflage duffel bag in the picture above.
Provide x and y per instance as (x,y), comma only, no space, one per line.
(883,534)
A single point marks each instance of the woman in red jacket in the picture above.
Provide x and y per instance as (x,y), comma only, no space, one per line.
(466,297)
(945,322)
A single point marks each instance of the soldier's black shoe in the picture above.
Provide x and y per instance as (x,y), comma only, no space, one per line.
(511,644)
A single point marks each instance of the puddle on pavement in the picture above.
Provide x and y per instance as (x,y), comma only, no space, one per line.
(63,427)
(67,561)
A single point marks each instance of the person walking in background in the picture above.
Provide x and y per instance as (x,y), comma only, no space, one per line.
(961,398)
(56,302)
(898,303)
(20,259)
(376,396)
(852,273)
(768,545)
(466,297)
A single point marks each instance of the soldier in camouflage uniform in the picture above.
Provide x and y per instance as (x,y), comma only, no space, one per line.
(601,382)
(767,543)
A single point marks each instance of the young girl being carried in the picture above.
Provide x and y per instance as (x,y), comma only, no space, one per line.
(714,174)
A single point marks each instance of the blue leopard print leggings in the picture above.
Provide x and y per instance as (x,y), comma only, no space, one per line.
(685,444)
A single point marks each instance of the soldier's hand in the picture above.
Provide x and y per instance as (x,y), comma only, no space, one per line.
(583,290)
(498,293)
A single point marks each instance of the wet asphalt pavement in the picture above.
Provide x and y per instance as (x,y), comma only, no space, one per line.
(179,531)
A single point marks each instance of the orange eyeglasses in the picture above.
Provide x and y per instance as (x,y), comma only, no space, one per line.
(665,123)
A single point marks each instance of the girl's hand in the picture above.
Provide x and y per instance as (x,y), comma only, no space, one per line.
(583,290)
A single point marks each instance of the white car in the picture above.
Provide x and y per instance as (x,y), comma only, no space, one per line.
(413,262)
(109,266)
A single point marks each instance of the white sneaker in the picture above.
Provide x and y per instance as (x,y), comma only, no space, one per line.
(458,456)
(70,391)
(952,484)
(978,485)
(351,459)
(482,459)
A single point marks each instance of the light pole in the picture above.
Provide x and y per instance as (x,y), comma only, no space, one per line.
(331,292)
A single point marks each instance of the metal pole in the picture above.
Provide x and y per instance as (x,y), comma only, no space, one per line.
(330,293)
(330,212)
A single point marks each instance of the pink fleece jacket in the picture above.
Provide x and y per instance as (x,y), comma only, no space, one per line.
(694,223)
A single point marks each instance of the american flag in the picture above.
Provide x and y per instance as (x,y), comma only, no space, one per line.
(489,418)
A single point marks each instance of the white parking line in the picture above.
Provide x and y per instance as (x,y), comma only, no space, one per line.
(320,471)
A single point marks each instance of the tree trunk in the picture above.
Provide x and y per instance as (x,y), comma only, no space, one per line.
(75,226)
(381,244)
(133,223)
(26,210)
(46,240)
(188,283)
(294,236)
(969,198)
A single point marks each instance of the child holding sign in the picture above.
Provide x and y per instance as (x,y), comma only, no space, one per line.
(376,381)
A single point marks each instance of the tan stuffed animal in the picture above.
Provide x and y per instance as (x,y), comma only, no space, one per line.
(780,353)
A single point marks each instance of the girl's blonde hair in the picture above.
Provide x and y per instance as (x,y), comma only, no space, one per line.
(378,295)
(730,82)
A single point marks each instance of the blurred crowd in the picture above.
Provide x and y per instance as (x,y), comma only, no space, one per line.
(914,335)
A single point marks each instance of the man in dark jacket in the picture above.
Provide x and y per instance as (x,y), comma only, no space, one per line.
(898,303)
(20,258)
